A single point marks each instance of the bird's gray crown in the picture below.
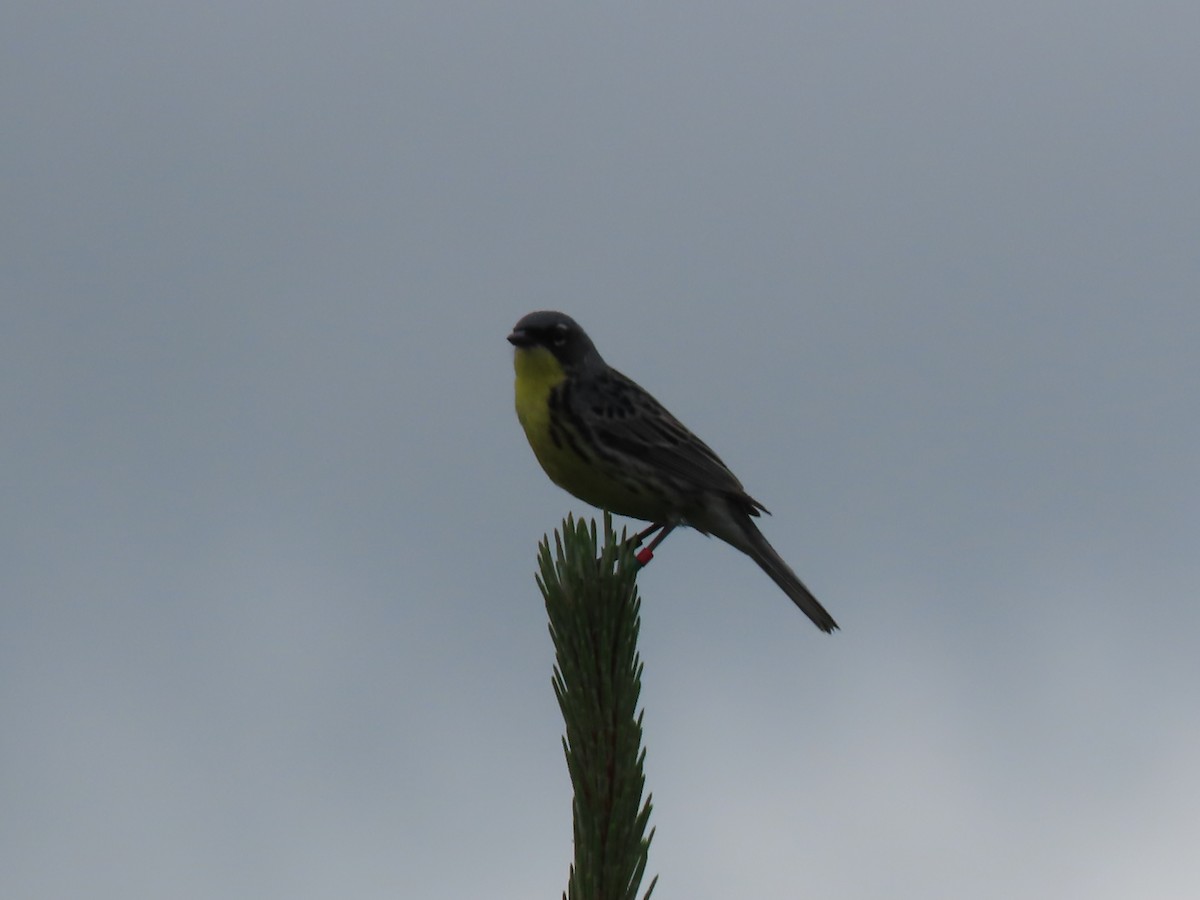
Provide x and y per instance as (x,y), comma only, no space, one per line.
(558,333)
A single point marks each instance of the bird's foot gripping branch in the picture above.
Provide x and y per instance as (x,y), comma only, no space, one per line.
(646,554)
(594,610)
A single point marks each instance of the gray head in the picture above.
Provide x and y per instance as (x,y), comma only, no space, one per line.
(559,334)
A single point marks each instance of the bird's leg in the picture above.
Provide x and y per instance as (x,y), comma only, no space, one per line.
(645,533)
(646,554)
(637,539)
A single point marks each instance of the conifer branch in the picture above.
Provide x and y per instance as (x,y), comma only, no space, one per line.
(594,610)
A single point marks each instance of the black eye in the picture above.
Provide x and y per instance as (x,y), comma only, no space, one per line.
(559,336)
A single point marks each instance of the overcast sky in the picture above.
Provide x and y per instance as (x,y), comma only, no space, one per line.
(926,275)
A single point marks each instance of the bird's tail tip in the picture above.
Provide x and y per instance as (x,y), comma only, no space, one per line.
(781,573)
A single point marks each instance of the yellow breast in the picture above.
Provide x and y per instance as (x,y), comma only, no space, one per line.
(538,373)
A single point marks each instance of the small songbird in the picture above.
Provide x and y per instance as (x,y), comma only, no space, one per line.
(603,438)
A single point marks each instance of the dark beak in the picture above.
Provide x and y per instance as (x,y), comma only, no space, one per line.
(520,338)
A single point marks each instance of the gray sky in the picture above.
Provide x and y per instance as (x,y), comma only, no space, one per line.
(925,275)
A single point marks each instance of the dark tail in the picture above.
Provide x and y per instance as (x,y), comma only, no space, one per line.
(758,549)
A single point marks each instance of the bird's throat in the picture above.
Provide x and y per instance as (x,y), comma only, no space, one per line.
(538,372)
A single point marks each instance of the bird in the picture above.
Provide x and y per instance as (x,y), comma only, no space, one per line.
(603,438)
